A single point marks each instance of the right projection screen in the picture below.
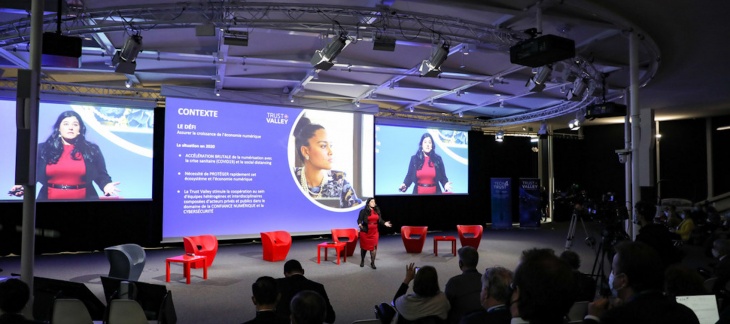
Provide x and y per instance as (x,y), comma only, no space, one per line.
(236,169)
(428,160)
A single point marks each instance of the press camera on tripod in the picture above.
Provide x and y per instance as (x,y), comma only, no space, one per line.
(611,216)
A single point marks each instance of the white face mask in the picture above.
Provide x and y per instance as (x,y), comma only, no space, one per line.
(611,278)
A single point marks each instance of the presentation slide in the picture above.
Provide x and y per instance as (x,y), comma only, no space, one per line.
(235,170)
(112,148)
(421,160)
(7,145)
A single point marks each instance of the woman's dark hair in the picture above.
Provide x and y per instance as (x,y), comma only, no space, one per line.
(367,206)
(426,282)
(53,147)
(419,153)
(303,131)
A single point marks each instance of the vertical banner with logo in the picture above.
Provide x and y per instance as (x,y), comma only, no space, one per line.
(501,189)
(529,202)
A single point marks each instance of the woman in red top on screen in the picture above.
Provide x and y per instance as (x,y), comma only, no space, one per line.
(68,163)
(426,169)
(368,221)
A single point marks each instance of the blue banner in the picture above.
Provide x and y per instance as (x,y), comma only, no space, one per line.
(501,189)
(529,202)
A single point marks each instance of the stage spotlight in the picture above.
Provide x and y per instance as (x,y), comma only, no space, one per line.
(323,58)
(126,58)
(499,136)
(537,82)
(574,124)
(579,86)
(432,67)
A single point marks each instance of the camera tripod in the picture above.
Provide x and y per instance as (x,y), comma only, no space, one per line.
(571,231)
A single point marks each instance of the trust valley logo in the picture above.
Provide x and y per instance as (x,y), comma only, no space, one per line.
(277,118)
(500,185)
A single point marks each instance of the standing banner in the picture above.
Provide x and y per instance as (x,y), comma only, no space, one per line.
(501,189)
(529,202)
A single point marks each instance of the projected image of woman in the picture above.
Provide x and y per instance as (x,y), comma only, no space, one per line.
(316,177)
(68,163)
(426,170)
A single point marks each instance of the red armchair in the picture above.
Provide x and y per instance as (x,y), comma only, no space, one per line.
(413,244)
(206,245)
(351,238)
(276,245)
(470,235)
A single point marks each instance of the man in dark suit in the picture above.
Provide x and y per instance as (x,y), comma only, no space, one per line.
(14,294)
(494,298)
(294,282)
(463,290)
(636,279)
(308,307)
(265,296)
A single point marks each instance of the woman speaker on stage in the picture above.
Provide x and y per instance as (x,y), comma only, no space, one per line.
(368,221)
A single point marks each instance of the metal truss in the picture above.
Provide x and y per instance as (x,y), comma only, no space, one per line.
(62,88)
(363,21)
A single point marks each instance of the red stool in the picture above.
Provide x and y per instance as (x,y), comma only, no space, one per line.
(186,260)
(451,239)
(339,248)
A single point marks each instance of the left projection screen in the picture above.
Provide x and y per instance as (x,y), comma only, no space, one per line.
(119,137)
(234,169)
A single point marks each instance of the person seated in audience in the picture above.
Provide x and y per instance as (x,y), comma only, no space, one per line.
(586,284)
(494,297)
(308,307)
(294,282)
(656,235)
(265,296)
(463,290)
(680,280)
(427,300)
(685,228)
(544,288)
(673,218)
(721,269)
(14,294)
(636,280)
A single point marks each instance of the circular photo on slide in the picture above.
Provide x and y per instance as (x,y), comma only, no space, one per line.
(321,158)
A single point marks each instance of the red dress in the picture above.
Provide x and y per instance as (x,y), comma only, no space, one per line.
(67,172)
(369,240)
(426,176)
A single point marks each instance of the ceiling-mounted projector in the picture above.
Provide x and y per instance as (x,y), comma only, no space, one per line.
(539,51)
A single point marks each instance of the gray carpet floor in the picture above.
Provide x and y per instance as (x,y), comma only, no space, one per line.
(225,297)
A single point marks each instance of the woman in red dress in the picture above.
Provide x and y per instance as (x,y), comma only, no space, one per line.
(426,170)
(368,221)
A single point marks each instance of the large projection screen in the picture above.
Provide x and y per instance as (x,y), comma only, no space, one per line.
(231,169)
(400,148)
(122,138)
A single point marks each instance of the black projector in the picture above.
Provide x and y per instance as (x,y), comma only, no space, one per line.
(61,51)
(542,50)
(606,109)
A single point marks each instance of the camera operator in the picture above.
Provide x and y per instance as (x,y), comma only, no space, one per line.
(656,235)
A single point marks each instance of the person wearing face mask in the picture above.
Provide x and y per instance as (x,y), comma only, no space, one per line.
(68,163)
(636,280)
(721,270)
(426,170)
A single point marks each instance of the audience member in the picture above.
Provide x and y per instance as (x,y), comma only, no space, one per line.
(427,300)
(265,296)
(544,288)
(685,228)
(636,279)
(308,307)
(721,270)
(294,282)
(14,294)
(656,235)
(586,284)
(463,290)
(494,298)
(673,218)
(680,280)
